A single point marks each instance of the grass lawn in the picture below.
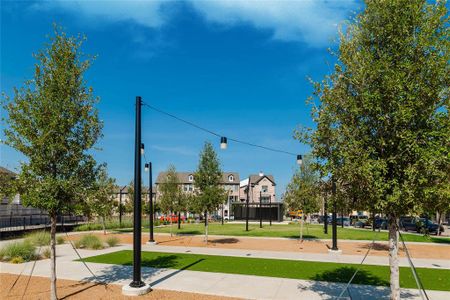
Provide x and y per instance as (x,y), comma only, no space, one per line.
(291,231)
(433,279)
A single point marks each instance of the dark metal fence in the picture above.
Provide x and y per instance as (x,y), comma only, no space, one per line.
(272,211)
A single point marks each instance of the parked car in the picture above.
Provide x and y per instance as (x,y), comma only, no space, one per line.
(429,226)
(381,223)
(355,218)
(420,225)
(345,220)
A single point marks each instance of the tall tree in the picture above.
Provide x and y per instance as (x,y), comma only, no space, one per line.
(53,121)
(210,193)
(384,110)
(101,199)
(171,193)
(302,192)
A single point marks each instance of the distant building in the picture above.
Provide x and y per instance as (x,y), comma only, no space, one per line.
(261,185)
(229,181)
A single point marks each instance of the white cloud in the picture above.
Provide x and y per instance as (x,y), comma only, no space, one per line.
(147,13)
(311,21)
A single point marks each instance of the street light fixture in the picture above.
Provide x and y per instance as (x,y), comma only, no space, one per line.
(148,168)
(223,143)
(142,149)
(299,159)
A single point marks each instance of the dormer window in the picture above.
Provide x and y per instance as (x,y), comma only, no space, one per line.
(191,178)
(231,178)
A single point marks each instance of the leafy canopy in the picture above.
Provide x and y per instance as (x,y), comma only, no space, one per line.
(53,122)
(382,121)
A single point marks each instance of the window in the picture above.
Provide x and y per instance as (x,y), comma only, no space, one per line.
(264,189)
(265,199)
(231,178)
(191,178)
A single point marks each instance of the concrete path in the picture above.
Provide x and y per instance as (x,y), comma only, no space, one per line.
(242,286)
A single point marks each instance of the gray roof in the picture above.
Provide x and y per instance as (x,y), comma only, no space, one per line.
(6,171)
(183,177)
(256,178)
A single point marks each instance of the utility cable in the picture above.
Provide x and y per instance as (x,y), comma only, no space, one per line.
(215,133)
(82,260)
(416,276)
(357,270)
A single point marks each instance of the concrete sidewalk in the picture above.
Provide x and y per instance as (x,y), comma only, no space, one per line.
(242,286)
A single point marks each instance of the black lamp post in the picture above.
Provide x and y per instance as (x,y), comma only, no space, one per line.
(260,209)
(137,286)
(333,191)
(246,206)
(270,210)
(325,213)
(148,168)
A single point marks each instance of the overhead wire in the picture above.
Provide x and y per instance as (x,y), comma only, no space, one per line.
(216,133)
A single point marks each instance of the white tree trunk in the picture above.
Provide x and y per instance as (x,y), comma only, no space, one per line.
(206,227)
(393,259)
(53,295)
(103,225)
(301,229)
(170,216)
(439,220)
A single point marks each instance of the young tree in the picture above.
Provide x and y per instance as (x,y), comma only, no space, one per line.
(101,198)
(384,110)
(302,192)
(210,193)
(170,193)
(53,122)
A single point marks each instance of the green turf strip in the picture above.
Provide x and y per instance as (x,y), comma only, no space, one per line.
(432,279)
(291,231)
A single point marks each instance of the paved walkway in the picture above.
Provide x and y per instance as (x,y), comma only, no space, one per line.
(241,286)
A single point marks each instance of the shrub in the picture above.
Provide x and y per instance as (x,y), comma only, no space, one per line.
(39,238)
(46,252)
(112,241)
(16,260)
(60,240)
(89,241)
(24,249)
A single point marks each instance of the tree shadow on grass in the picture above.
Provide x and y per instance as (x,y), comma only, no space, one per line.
(364,286)
(296,236)
(343,274)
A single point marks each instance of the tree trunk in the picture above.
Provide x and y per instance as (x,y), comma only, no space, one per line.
(179,220)
(393,258)
(170,217)
(103,225)
(301,229)
(439,220)
(53,295)
(206,227)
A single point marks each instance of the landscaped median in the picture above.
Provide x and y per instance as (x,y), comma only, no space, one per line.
(432,279)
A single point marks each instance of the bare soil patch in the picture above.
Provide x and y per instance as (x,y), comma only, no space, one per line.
(429,251)
(39,288)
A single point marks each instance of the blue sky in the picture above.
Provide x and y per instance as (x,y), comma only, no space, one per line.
(238,68)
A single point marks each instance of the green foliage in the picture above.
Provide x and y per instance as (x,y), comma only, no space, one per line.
(17,260)
(53,122)
(89,241)
(23,250)
(60,240)
(112,241)
(382,122)
(39,238)
(171,193)
(302,192)
(7,187)
(208,181)
(46,252)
